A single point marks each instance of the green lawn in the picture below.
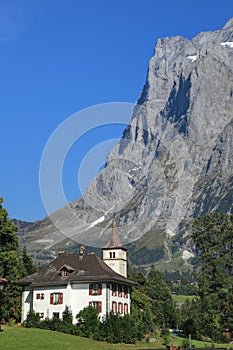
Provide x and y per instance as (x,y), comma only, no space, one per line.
(19,338)
(182,298)
(177,341)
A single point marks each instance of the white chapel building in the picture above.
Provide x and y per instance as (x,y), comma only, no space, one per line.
(78,281)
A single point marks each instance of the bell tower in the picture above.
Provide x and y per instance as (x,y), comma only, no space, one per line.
(114,254)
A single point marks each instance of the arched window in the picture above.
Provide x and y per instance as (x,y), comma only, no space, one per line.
(120,308)
(114,307)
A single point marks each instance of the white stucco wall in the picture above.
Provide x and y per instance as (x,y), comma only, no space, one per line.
(75,296)
(43,306)
(26,302)
(81,298)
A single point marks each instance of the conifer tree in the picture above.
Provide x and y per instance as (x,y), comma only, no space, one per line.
(213,236)
(12,267)
(8,238)
(29,266)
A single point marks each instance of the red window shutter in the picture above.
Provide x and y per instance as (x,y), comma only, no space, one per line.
(100,289)
(61,298)
(51,298)
(100,306)
(37,296)
(114,307)
(90,303)
(90,289)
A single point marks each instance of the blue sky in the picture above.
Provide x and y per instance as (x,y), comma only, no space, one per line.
(59,57)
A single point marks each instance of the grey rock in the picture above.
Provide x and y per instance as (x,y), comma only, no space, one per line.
(174,161)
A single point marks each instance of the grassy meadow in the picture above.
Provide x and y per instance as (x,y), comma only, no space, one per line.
(19,338)
(182,298)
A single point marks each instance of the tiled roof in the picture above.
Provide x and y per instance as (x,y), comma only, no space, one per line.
(87,268)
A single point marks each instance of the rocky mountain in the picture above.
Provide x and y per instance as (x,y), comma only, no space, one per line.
(173,163)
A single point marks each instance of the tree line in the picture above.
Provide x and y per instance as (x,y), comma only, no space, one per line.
(13,266)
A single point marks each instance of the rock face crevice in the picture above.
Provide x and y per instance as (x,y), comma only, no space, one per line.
(174,161)
(178,104)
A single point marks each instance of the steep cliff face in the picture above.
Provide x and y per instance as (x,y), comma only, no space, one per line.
(179,136)
(175,160)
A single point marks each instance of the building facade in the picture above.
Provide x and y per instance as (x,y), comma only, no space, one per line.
(78,281)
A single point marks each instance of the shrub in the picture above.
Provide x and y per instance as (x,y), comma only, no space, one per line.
(67,316)
(88,322)
(117,329)
(32,321)
(11,322)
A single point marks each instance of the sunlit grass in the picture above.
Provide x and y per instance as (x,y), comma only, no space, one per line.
(182,298)
(20,338)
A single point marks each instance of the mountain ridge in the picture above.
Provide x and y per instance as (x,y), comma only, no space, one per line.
(173,163)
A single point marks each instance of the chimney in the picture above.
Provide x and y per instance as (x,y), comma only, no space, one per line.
(81,252)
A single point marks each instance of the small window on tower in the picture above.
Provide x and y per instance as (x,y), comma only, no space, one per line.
(113,255)
(110,255)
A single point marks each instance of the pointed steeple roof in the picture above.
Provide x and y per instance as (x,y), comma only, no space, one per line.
(114,241)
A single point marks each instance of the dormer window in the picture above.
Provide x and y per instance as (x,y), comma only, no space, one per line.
(66,270)
(64,273)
